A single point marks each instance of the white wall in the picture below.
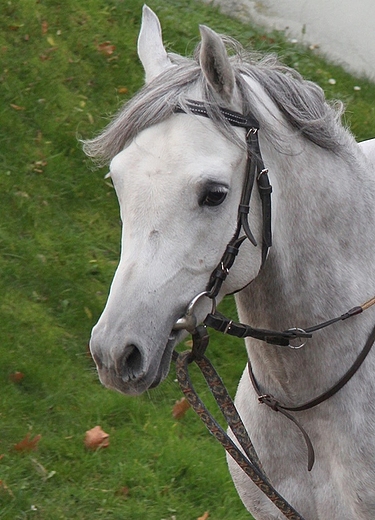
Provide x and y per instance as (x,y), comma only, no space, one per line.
(344,30)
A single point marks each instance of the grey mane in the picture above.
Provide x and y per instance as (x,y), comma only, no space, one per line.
(301,102)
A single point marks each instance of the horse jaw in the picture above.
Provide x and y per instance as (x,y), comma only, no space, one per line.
(151,50)
(215,64)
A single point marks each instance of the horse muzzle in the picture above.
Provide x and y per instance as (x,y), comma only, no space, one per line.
(132,369)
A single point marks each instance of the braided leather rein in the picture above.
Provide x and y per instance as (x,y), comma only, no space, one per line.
(244,454)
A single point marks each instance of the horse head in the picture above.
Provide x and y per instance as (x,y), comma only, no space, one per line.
(179,182)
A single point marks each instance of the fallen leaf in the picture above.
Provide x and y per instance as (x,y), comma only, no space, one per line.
(122,90)
(106,48)
(28,444)
(96,438)
(17,107)
(44,27)
(16,377)
(123,492)
(180,408)
(204,516)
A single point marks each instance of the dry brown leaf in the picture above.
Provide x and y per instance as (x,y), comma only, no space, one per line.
(16,377)
(180,408)
(28,444)
(106,48)
(204,516)
(96,439)
(122,90)
(123,492)
(44,27)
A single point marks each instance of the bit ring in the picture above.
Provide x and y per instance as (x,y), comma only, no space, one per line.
(189,321)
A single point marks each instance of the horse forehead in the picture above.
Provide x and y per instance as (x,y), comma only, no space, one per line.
(185,146)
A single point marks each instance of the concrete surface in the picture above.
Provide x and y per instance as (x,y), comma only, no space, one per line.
(343,30)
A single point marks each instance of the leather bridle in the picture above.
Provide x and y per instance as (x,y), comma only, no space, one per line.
(246,457)
(254,172)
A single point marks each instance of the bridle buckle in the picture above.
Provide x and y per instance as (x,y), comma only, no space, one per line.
(251,131)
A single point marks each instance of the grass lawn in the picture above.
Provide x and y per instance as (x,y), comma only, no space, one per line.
(65,67)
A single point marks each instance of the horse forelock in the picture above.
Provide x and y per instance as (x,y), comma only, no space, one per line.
(301,102)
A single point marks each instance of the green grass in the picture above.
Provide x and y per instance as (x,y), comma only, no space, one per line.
(59,244)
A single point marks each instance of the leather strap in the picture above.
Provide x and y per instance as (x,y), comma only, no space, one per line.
(223,324)
(234,118)
(246,457)
(255,173)
(277,406)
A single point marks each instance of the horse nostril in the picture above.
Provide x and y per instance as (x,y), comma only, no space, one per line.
(129,365)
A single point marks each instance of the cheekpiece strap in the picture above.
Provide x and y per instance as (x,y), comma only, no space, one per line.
(255,172)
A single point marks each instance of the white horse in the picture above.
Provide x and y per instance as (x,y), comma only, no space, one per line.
(179,178)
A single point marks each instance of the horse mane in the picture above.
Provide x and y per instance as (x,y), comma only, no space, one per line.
(301,102)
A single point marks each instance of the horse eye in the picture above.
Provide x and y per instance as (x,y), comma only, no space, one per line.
(213,198)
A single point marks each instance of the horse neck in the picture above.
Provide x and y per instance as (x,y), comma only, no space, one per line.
(320,265)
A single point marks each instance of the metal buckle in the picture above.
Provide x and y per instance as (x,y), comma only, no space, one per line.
(262,172)
(224,269)
(251,131)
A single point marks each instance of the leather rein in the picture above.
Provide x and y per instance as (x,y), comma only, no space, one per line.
(295,338)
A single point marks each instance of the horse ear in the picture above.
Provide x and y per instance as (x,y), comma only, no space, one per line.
(151,50)
(215,63)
